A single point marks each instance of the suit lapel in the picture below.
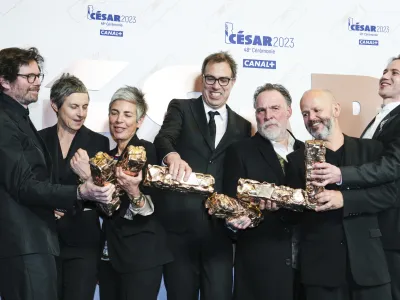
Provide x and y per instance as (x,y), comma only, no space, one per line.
(386,120)
(53,146)
(199,115)
(268,153)
(368,126)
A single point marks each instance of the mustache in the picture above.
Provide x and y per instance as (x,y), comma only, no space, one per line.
(35,89)
(271,122)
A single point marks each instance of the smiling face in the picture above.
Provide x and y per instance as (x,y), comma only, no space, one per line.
(320,114)
(272,115)
(215,95)
(20,89)
(122,120)
(389,84)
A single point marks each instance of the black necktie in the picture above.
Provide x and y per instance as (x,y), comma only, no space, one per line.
(212,127)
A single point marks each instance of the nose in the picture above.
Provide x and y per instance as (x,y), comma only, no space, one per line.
(385,76)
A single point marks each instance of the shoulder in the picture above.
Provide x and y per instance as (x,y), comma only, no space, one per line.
(243,146)
(94,135)
(46,131)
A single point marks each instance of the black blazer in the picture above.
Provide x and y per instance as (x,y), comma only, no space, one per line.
(265,251)
(360,223)
(384,169)
(77,228)
(185,131)
(140,243)
(28,198)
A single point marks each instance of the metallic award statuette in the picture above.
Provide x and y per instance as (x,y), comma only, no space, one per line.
(103,167)
(133,159)
(159,177)
(253,191)
(315,151)
(228,208)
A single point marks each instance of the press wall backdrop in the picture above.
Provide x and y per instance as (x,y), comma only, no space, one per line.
(159,46)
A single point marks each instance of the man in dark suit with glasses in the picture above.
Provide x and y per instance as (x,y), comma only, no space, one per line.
(194,136)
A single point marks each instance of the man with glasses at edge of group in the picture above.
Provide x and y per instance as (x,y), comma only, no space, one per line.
(28,236)
(194,136)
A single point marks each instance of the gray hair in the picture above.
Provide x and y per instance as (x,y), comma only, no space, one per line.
(394,58)
(65,86)
(273,87)
(133,95)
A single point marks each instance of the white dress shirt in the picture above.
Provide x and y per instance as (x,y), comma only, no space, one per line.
(221,121)
(281,150)
(378,119)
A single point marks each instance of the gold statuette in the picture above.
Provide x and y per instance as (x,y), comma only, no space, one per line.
(133,159)
(253,191)
(314,152)
(159,177)
(228,208)
(103,167)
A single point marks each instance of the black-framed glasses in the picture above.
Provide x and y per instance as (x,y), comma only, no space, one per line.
(32,77)
(223,81)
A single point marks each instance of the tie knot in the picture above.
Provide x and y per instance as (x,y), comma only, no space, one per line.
(212,114)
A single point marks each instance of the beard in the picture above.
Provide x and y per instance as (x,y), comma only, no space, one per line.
(272,133)
(326,130)
(25,96)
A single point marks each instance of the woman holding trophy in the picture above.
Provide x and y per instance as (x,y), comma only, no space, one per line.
(134,245)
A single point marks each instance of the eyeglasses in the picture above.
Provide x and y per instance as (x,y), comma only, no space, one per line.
(223,81)
(32,77)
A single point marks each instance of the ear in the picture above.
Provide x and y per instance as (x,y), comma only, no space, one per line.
(336,110)
(54,107)
(139,123)
(289,112)
(5,83)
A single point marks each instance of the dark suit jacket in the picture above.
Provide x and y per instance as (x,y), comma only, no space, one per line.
(140,243)
(185,131)
(265,252)
(28,198)
(360,224)
(384,169)
(78,228)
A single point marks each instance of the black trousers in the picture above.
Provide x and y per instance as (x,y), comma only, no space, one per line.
(393,261)
(28,277)
(202,263)
(77,275)
(140,285)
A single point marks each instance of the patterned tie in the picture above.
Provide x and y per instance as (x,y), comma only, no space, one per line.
(282,162)
(212,127)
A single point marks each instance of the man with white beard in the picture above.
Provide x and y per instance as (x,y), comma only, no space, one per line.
(265,266)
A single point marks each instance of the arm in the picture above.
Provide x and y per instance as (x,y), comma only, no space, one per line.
(170,131)
(384,170)
(371,200)
(18,180)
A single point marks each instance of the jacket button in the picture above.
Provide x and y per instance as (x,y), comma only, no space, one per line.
(288,261)
(210,161)
(287,230)
(283,219)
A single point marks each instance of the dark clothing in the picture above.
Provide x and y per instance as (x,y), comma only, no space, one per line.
(263,258)
(207,266)
(28,198)
(78,230)
(383,170)
(134,246)
(322,257)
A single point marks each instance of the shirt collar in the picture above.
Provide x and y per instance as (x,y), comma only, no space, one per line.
(223,112)
(390,106)
(291,142)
